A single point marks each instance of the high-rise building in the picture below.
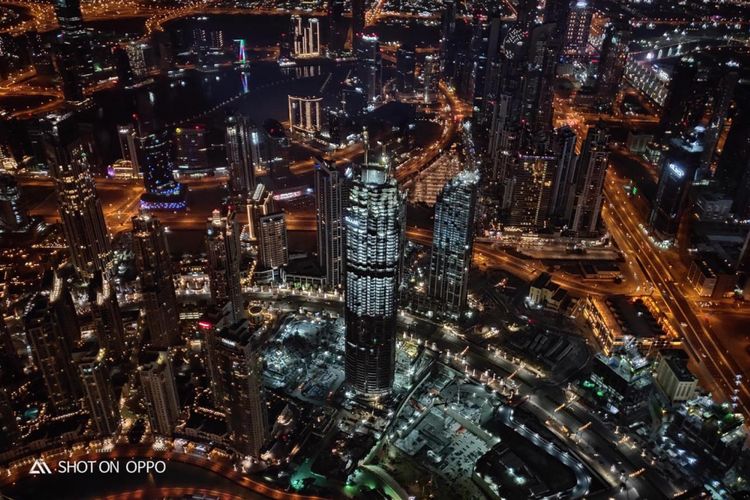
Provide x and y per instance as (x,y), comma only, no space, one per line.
(591,172)
(562,200)
(239,143)
(99,396)
(272,240)
(406,65)
(52,331)
(734,166)
(576,36)
(684,99)
(259,203)
(370,66)
(677,173)
(453,242)
(241,369)
(213,320)
(305,117)
(157,166)
(190,147)
(612,59)
(159,391)
(374,228)
(336,35)
(130,147)
(105,311)
(154,267)
(224,258)
(448,43)
(306,36)
(82,217)
(330,218)
(358,21)
(73,50)
(12,215)
(531,186)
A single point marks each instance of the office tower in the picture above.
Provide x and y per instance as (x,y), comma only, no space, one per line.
(358,21)
(591,172)
(9,430)
(241,370)
(239,140)
(612,60)
(683,100)
(154,267)
(562,201)
(329,211)
(374,229)
(576,36)
(304,116)
(130,147)
(224,256)
(12,216)
(677,173)
(273,244)
(453,243)
(369,66)
(97,389)
(306,36)
(159,391)
(82,217)
(52,331)
(531,188)
(336,36)
(260,203)
(190,147)
(73,50)
(105,312)
(406,65)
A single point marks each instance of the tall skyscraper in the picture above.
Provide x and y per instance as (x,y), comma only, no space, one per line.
(105,312)
(239,146)
(370,66)
(336,34)
(154,267)
(734,165)
(453,243)
(683,99)
(159,391)
(374,222)
(406,65)
(330,218)
(73,50)
(358,21)
(562,200)
(612,60)
(130,147)
(578,25)
(531,186)
(591,172)
(52,330)
(190,147)
(260,203)
(273,243)
(98,393)
(213,320)
(306,36)
(241,371)
(82,217)
(305,117)
(224,258)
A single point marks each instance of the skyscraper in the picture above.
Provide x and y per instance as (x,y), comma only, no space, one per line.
(306,36)
(154,267)
(576,36)
(260,203)
(591,172)
(562,200)
(329,211)
(273,243)
(374,222)
(612,60)
(453,242)
(370,66)
(241,370)
(238,143)
(531,186)
(305,118)
(406,64)
(336,35)
(358,21)
(82,217)
(159,391)
(98,393)
(52,330)
(73,50)
(224,256)
(105,312)
(12,215)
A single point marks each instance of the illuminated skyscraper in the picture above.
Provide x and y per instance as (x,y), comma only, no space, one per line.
(370,66)
(105,312)
(358,20)
(273,243)
(453,242)
(562,200)
(82,217)
(576,36)
(306,36)
(336,35)
(375,223)
(154,267)
(190,147)
(329,211)
(240,135)
(591,172)
(531,186)
(240,369)
(260,203)
(305,115)
(52,330)
(406,64)
(99,396)
(612,60)
(73,50)
(159,391)
(224,256)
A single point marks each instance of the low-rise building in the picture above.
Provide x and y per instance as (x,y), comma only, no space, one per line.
(711,276)
(673,377)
